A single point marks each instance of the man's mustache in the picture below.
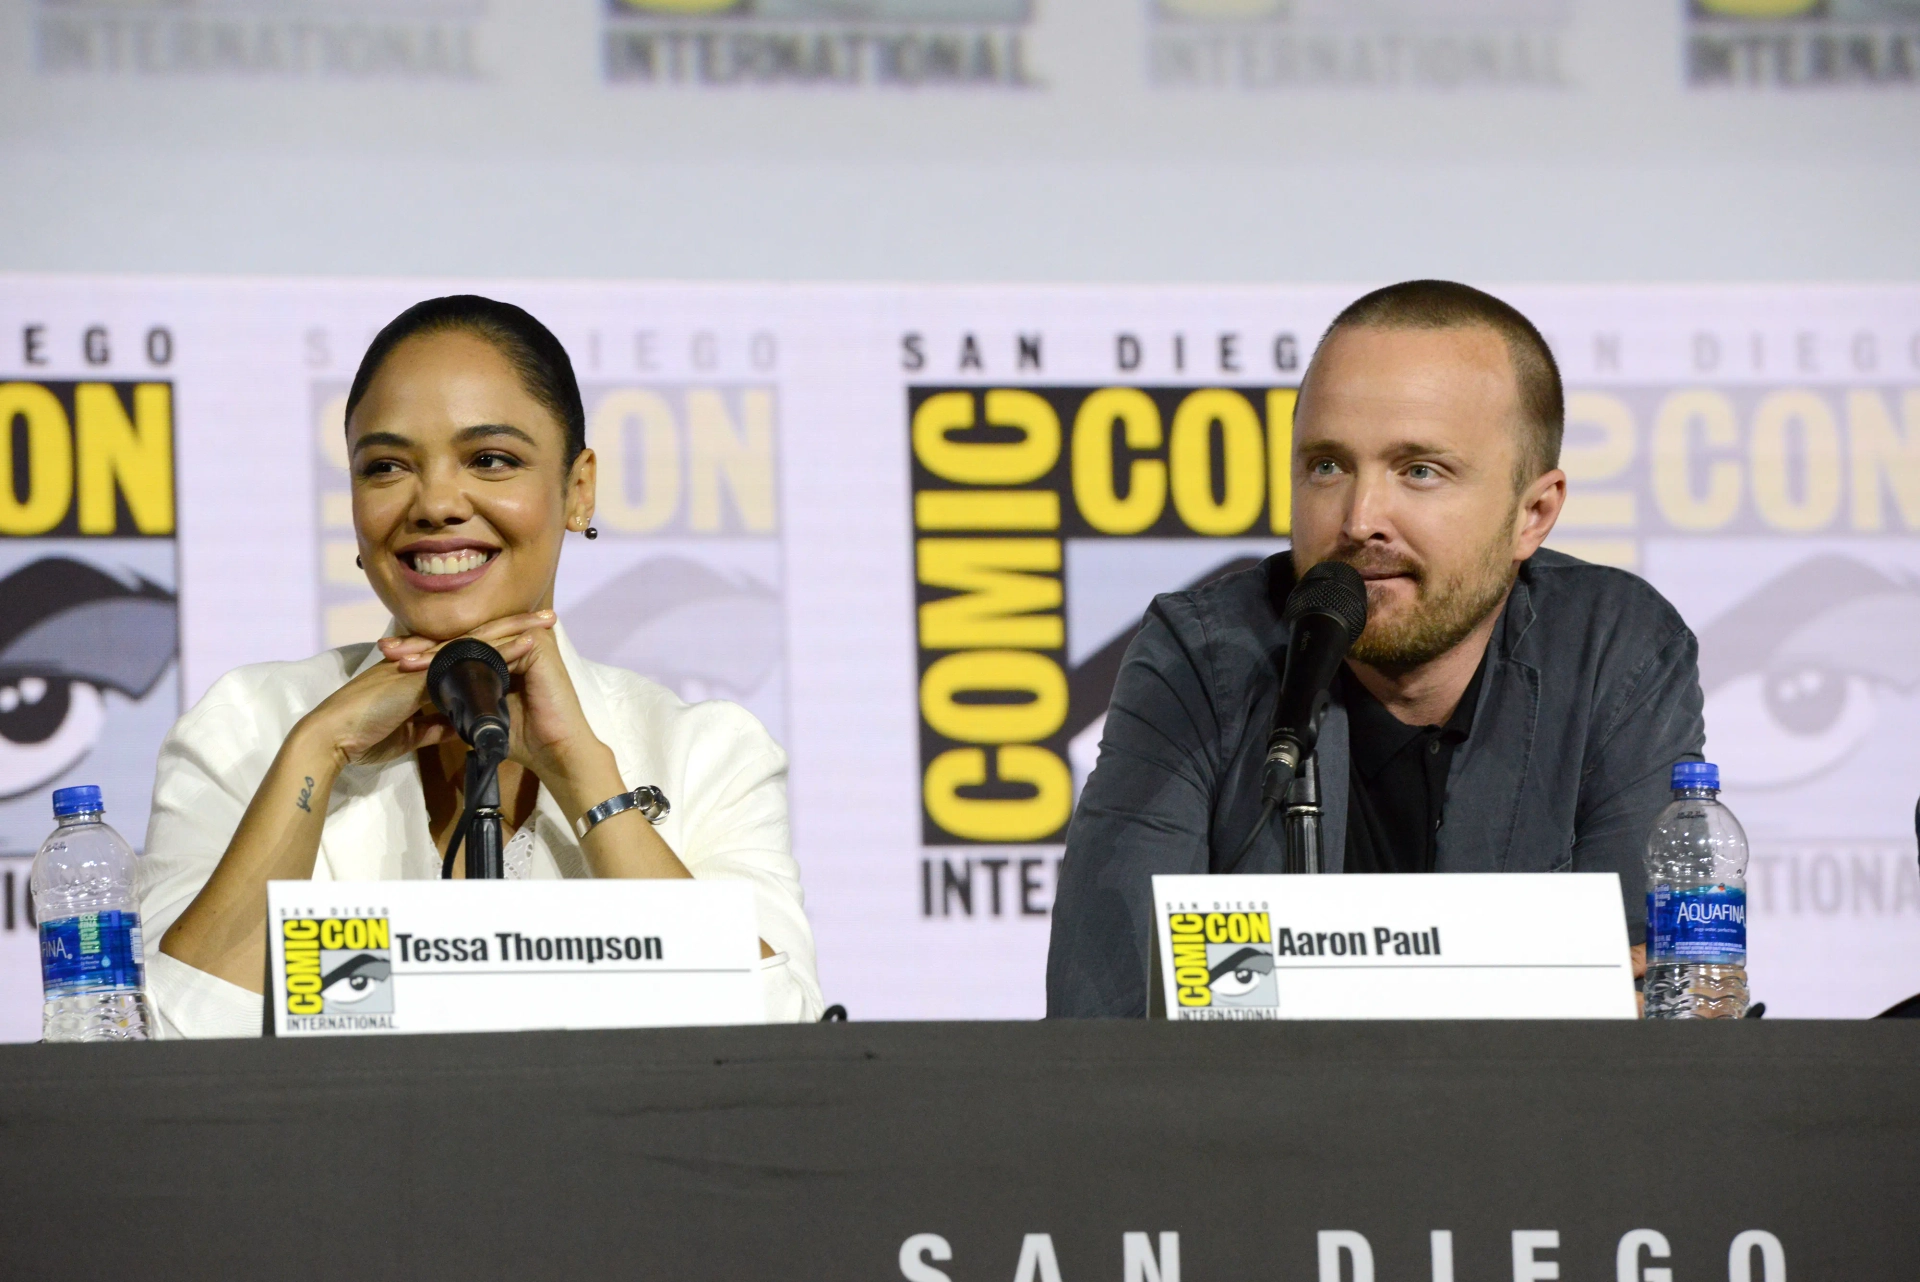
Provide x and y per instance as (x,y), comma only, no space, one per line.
(1377,563)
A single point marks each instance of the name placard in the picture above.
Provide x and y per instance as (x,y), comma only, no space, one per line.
(502,956)
(1394,946)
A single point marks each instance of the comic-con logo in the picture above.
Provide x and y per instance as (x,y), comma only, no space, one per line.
(1223,960)
(1008,483)
(1803,44)
(337,965)
(87,608)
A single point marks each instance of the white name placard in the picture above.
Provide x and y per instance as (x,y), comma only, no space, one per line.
(501,956)
(1394,946)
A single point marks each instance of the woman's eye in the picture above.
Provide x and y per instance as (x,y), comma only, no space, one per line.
(494,461)
(379,467)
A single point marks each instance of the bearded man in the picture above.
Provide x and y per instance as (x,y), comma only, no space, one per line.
(1507,709)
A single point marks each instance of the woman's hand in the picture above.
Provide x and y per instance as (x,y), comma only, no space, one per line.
(379,716)
(551,738)
(550,734)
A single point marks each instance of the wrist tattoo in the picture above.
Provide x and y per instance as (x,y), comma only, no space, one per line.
(306,795)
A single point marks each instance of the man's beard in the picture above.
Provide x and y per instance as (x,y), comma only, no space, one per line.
(1443,612)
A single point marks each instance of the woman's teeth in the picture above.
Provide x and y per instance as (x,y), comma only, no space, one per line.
(451,562)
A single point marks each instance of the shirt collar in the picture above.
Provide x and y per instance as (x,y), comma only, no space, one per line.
(1375,736)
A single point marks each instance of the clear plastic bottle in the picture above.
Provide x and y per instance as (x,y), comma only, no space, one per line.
(1696,903)
(92,967)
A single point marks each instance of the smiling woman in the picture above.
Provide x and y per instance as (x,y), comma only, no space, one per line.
(467,445)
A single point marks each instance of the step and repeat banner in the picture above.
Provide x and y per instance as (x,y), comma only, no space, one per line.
(913,529)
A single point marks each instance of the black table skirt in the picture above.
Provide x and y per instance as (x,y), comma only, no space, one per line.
(815,1152)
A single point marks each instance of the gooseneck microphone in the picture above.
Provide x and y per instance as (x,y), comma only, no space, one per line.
(1325,613)
(468,683)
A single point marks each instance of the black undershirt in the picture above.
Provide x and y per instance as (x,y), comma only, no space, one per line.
(1398,784)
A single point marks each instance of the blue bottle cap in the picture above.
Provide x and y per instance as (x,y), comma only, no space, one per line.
(1696,774)
(76,801)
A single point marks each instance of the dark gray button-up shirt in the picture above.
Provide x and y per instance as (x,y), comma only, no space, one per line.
(1591,693)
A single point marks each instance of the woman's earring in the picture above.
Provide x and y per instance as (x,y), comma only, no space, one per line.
(357,561)
(592,533)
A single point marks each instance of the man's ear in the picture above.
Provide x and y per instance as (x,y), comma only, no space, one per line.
(582,481)
(1540,505)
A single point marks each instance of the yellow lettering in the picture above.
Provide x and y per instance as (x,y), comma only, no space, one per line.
(999,589)
(330,933)
(1260,928)
(356,933)
(1681,415)
(986,510)
(619,415)
(743,459)
(1014,819)
(1603,451)
(377,932)
(1093,489)
(135,455)
(1034,677)
(1190,460)
(1280,406)
(299,928)
(49,460)
(1883,453)
(1782,416)
(987,462)
(1216,928)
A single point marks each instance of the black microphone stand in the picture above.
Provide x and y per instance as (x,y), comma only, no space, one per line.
(485,856)
(1303,817)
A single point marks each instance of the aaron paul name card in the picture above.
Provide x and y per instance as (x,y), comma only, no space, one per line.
(501,956)
(1394,946)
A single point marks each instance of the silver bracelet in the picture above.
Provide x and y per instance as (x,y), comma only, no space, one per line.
(647,799)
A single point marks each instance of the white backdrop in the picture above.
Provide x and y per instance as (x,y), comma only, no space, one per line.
(1754,452)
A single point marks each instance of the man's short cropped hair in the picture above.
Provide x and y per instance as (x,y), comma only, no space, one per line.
(1446,304)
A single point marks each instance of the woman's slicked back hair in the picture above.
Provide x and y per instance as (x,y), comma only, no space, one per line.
(536,355)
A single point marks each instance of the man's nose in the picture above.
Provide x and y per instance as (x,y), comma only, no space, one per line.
(1368,502)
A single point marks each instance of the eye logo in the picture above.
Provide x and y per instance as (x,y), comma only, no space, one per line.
(1224,960)
(70,632)
(337,965)
(1792,691)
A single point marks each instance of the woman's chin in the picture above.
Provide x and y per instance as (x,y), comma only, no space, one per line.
(441,619)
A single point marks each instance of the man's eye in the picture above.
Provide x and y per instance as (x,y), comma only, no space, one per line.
(1323,467)
(1422,472)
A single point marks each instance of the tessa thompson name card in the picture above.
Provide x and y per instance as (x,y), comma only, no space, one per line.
(501,956)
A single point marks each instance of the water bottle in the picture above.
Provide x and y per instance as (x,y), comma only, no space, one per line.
(91,964)
(1696,903)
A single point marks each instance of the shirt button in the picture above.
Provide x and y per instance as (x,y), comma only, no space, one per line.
(1434,747)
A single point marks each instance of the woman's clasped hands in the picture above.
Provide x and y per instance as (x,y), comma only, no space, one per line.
(387,712)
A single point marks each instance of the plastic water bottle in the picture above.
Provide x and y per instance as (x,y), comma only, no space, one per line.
(1696,903)
(92,967)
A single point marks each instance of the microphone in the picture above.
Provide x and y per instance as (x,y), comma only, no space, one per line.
(1325,613)
(468,683)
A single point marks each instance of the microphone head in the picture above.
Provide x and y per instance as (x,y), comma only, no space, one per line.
(1332,588)
(464,650)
